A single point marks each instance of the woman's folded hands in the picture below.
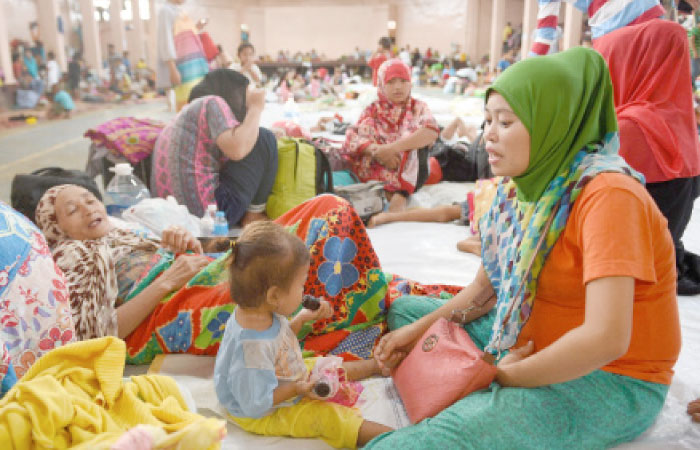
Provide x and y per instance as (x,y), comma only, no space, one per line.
(386,155)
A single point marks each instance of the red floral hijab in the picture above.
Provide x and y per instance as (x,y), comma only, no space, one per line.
(384,121)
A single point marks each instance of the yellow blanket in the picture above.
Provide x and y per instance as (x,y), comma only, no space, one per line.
(74,396)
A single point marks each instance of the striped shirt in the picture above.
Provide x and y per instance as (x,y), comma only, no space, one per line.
(604,16)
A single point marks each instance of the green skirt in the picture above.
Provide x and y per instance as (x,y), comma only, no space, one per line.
(599,410)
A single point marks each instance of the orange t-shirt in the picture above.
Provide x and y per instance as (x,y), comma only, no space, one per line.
(614,229)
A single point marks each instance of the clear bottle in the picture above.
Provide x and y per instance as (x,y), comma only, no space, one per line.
(220,224)
(290,110)
(207,221)
(124,190)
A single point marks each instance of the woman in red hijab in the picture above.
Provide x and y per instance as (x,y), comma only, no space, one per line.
(383,144)
(649,66)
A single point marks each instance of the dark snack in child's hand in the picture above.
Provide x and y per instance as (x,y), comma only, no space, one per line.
(322,389)
(310,302)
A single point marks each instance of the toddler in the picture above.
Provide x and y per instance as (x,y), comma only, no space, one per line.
(260,376)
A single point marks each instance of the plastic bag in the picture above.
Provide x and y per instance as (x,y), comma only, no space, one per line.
(157,214)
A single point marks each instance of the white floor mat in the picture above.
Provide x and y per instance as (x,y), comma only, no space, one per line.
(426,252)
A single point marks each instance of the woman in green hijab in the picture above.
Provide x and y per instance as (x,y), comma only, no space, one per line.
(576,294)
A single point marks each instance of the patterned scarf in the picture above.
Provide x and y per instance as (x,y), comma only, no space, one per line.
(573,138)
(512,229)
(89,267)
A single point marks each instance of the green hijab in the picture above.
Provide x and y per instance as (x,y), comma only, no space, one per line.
(565,101)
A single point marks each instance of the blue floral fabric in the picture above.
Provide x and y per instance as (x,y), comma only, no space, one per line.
(338,272)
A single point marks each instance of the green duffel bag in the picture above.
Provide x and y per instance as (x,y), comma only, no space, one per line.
(303,171)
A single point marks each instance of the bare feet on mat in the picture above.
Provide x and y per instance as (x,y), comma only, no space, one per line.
(471,244)
(253,217)
(378,219)
(397,202)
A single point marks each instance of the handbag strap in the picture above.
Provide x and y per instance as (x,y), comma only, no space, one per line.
(538,247)
(49,170)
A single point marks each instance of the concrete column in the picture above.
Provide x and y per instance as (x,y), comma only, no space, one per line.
(92,54)
(67,24)
(472,43)
(394,17)
(48,31)
(152,59)
(498,21)
(116,26)
(140,50)
(239,19)
(529,25)
(5,56)
(572,27)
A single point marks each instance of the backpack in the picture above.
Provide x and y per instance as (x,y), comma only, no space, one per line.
(27,189)
(460,162)
(303,172)
(366,198)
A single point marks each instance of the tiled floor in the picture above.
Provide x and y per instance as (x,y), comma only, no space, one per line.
(60,142)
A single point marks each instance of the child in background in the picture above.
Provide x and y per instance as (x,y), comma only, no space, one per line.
(61,103)
(260,376)
(53,71)
(246,64)
(315,86)
(284,88)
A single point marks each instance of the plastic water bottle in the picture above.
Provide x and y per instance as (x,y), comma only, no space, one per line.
(207,222)
(124,190)
(290,110)
(220,224)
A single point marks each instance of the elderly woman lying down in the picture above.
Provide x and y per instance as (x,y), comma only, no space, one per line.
(162,302)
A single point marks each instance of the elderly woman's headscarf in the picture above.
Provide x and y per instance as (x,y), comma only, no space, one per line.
(45,216)
(227,84)
(566,103)
(89,267)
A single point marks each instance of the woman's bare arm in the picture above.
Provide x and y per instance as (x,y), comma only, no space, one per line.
(603,337)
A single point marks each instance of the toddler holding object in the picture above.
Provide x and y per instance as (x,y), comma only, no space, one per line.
(260,375)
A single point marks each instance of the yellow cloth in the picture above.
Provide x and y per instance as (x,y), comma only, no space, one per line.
(182,93)
(336,424)
(74,396)
(507,31)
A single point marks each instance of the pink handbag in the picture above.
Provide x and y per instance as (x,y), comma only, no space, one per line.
(443,367)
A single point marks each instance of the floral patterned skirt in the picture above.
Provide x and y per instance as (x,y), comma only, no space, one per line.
(344,270)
